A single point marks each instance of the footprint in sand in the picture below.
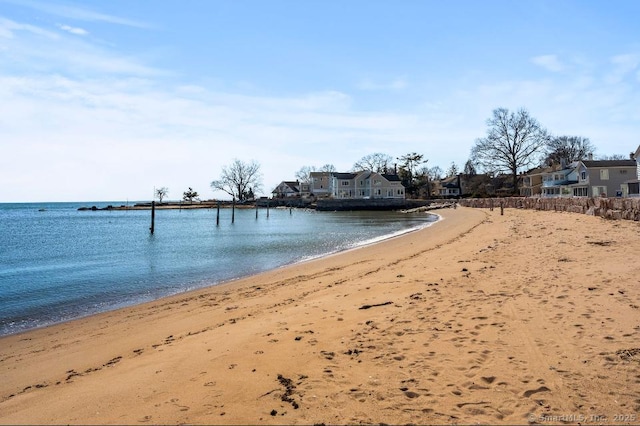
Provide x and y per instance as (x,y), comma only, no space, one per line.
(528,393)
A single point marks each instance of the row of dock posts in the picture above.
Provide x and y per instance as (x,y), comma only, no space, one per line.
(233,213)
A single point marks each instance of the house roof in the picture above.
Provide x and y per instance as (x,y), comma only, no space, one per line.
(449,182)
(344,175)
(609,163)
(293,185)
(391,178)
(538,171)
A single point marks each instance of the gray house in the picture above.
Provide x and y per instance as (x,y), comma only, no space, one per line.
(604,178)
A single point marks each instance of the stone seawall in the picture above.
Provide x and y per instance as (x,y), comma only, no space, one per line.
(332,204)
(608,208)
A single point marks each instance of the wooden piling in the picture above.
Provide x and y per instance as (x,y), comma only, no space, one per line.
(153,217)
(233,211)
(218,215)
(501,208)
(267,210)
(256,210)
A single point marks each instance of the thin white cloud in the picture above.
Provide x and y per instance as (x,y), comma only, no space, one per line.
(623,65)
(30,49)
(78,13)
(548,62)
(73,30)
(9,28)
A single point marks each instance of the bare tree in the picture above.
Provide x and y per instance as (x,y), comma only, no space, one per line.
(568,148)
(161,193)
(330,168)
(304,174)
(514,141)
(614,157)
(434,173)
(238,178)
(376,162)
(469,168)
(452,170)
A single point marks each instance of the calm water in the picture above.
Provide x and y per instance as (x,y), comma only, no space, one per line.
(61,263)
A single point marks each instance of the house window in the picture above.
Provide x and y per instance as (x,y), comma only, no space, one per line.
(580,192)
(583,175)
(634,188)
(345,183)
(604,174)
(599,191)
(623,172)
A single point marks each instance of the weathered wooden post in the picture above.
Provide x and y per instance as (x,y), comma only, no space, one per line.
(501,208)
(267,209)
(256,210)
(490,204)
(153,217)
(218,215)
(233,210)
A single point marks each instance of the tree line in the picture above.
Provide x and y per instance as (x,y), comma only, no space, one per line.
(514,142)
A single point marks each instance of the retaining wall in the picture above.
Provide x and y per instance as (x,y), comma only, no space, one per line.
(608,208)
(333,204)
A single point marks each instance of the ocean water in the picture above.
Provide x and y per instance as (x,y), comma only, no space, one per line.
(58,263)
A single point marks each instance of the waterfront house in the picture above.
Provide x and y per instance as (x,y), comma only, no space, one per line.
(532,181)
(356,185)
(366,185)
(320,184)
(450,187)
(604,178)
(557,181)
(286,189)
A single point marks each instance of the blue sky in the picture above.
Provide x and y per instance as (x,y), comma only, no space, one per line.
(105,100)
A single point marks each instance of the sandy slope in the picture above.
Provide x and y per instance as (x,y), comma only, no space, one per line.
(526,317)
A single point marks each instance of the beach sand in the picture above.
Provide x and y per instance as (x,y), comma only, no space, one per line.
(480,318)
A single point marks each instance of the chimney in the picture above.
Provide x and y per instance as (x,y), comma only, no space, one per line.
(590,156)
(632,155)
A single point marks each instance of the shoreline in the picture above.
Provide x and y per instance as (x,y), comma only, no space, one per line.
(212,283)
(454,323)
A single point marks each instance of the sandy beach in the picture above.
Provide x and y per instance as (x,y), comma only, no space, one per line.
(530,317)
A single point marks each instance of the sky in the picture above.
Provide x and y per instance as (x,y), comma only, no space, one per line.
(107,100)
